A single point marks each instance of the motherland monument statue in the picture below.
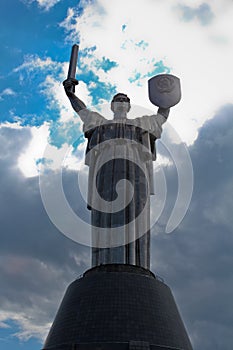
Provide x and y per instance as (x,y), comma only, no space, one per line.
(122,149)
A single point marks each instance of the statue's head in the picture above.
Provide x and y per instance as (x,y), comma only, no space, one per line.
(120,105)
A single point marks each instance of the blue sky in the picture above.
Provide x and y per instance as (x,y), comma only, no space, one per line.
(8,339)
(121,47)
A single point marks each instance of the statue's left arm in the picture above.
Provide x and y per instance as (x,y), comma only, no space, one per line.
(164,112)
(158,120)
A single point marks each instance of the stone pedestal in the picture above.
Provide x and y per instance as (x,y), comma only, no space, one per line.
(118,307)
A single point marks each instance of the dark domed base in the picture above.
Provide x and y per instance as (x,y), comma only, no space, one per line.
(118,307)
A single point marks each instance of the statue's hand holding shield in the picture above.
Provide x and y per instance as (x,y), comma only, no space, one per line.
(164,90)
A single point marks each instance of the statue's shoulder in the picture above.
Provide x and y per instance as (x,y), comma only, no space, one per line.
(143,121)
(91,120)
(89,114)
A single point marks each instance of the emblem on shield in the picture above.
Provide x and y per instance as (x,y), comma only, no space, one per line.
(164,90)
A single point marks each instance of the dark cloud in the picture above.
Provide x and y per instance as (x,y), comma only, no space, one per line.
(196,260)
(37,261)
(202,13)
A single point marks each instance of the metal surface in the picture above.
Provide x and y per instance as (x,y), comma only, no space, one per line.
(73,63)
(164,90)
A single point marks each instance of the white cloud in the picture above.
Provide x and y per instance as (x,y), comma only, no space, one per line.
(188,48)
(27,160)
(6,92)
(54,92)
(32,62)
(55,158)
(47,4)
(44,4)
(28,328)
(9,125)
(4,325)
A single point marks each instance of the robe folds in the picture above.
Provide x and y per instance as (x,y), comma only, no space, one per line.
(119,154)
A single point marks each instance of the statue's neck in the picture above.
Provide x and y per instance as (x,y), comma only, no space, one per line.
(120,115)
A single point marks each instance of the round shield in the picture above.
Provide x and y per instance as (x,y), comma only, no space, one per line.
(164,90)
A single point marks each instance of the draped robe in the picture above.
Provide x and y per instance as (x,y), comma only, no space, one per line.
(117,150)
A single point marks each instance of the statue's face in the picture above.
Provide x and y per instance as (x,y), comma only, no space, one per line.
(120,105)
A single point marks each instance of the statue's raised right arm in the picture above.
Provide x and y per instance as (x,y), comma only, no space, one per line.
(89,118)
(70,83)
(69,86)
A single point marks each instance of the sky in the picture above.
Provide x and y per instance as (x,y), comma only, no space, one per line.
(122,45)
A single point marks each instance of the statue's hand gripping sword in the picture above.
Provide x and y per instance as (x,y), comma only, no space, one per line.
(71,81)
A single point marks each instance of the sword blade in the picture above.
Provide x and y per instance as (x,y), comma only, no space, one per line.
(73,61)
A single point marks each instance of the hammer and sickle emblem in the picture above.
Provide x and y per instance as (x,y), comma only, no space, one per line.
(165,84)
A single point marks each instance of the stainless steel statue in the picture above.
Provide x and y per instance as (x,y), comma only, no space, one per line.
(119,154)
